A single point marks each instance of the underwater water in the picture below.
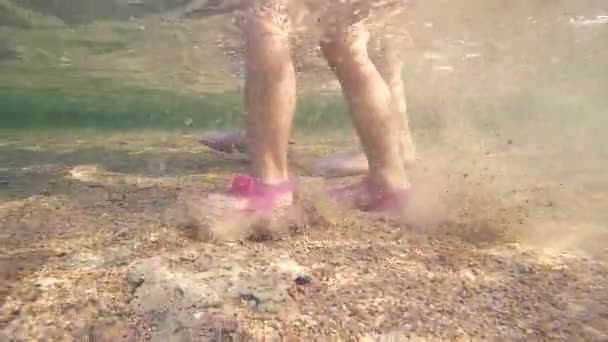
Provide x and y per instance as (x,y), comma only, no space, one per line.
(101,104)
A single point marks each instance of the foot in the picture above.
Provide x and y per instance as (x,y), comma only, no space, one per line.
(225,141)
(342,164)
(351,163)
(365,196)
(249,208)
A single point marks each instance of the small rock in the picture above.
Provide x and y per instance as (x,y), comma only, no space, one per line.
(379,320)
(468,275)
(16,310)
(135,280)
(250,298)
(303,280)
(123,232)
(31,295)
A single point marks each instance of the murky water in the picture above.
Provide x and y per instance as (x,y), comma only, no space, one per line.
(100,103)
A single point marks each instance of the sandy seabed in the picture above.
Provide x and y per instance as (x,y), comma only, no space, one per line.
(493,249)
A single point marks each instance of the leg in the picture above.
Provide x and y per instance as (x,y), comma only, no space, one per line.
(389,62)
(270,94)
(369,100)
(265,32)
(270,101)
(385,56)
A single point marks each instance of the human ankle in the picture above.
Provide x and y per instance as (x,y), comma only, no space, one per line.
(388,181)
(272,181)
(269,174)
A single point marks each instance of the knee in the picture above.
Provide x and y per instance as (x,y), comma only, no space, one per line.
(266,46)
(344,44)
(265,16)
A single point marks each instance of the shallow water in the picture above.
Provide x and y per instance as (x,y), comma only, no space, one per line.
(98,118)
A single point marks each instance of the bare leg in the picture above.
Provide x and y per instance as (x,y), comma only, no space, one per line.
(369,100)
(389,63)
(270,97)
(270,101)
